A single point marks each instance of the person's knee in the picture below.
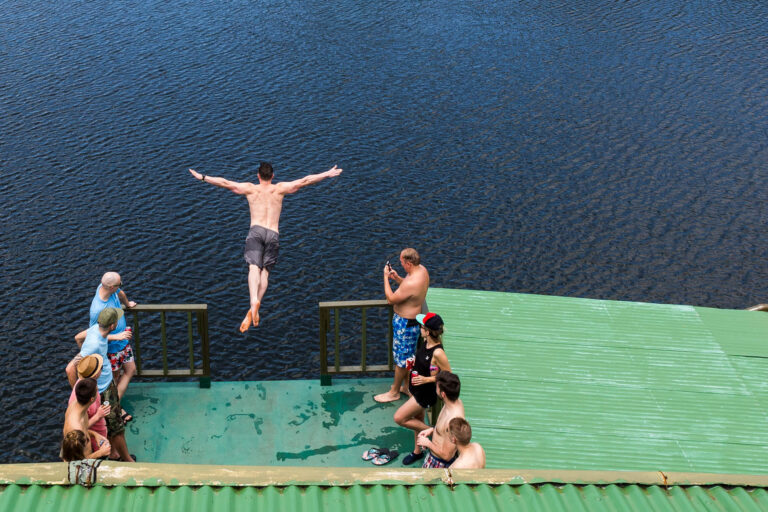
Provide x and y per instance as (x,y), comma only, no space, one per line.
(129,369)
(400,418)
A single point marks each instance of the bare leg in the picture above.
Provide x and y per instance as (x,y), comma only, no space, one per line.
(254,284)
(411,415)
(120,448)
(393,394)
(129,370)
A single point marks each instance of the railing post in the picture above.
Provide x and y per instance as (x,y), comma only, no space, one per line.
(191,344)
(364,351)
(205,380)
(336,338)
(390,360)
(325,378)
(163,343)
(136,347)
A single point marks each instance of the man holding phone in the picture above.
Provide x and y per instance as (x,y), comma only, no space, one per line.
(407,302)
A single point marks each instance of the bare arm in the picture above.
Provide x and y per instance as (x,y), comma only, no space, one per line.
(402,294)
(440,360)
(104,446)
(124,299)
(234,186)
(80,338)
(291,187)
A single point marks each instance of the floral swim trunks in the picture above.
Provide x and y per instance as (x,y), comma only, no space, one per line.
(433,461)
(118,359)
(405,334)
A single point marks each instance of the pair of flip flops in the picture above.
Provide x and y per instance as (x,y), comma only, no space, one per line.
(380,456)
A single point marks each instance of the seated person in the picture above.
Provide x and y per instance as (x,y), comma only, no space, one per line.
(471,455)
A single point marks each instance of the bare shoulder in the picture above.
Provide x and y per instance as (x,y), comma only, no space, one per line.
(284,187)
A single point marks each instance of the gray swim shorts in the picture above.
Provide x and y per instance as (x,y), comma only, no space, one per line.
(261,247)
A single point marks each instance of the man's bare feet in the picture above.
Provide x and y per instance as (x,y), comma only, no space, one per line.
(405,390)
(387,397)
(246,322)
(255,314)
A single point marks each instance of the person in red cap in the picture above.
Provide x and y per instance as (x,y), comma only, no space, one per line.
(429,359)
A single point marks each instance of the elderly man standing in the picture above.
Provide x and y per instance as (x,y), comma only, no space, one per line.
(407,302)
(109,294)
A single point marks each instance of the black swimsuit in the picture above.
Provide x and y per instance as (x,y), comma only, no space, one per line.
(425,394)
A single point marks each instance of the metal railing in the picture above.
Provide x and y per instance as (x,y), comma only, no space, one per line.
(332,309)
(759,307)
(200,312)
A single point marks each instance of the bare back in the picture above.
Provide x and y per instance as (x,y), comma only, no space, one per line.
(76,418)
(471,457)
(266,203)
(416,285)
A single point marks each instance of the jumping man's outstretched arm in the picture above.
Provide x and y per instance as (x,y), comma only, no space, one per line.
(237,188)
(290,187)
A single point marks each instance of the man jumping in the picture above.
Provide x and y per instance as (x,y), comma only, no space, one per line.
(261,246)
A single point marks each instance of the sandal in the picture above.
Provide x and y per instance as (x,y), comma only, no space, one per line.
(386,457)
(371,454)
(126,417)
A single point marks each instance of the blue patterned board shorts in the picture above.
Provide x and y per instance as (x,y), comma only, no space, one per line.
(433,461)
(405,334)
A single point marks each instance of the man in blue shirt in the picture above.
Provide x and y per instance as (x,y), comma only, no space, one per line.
(96,343)
(109,294)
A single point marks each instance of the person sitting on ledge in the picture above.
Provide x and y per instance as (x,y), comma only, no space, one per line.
(441,450)
(471,455)
(430,358)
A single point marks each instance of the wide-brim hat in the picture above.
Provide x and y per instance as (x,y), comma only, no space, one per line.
(90,366)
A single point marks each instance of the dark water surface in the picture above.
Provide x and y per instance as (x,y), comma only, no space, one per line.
(600,149)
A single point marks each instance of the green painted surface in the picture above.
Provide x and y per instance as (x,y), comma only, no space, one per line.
(556,382)
(548,383)
(261,423)
(386,498)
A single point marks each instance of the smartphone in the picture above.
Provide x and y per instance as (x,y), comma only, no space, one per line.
(389,266)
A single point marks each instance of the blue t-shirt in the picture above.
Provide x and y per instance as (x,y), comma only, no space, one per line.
(96,344)
(97,305)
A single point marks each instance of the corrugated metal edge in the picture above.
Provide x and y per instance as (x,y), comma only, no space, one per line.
(173,475)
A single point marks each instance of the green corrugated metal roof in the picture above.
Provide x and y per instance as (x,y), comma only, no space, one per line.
(132,487)
(557,382)
(386,498)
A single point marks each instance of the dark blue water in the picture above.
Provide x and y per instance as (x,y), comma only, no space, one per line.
(601,149)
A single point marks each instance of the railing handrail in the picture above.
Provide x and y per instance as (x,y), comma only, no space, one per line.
(325,320)
(168,307)
(759,307)
(354,303)
(200,312)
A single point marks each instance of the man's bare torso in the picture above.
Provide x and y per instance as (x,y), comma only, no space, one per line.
(266,202)
(418,284)
(445,448)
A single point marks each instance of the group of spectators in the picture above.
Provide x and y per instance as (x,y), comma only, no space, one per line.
(94,423)
(422,364)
